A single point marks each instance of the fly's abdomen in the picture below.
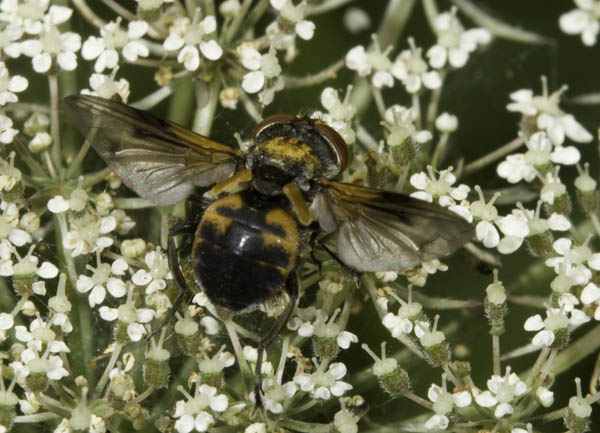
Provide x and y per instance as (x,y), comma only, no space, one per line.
(244,250)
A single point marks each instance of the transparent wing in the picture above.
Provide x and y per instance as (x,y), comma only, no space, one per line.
(159,160)
(383,231)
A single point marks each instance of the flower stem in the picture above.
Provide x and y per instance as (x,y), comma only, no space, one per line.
(434,103)
(239,352)
(75,165)
(204,115)
(497,27)
(237,21)
(144,395)
(496,355)
(98,389)
(492,156)
(301,426)
(88,13)
(328,73)
(55,122)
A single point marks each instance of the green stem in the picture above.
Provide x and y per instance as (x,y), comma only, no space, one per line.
(497,27)
(434,104)
(204,115)
(36,169)
(239,352)
(133,203)
(328,73)
(496,355)
(98,389)
(302,426)
(88,14)
(493,156)
(440,150)
(237,21)
(75,165)
(55,122)
(92,179)
(431,12)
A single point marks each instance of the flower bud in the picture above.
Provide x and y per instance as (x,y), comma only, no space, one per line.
(11,183)
(156,367)
(587,192)
(8,405)
(229,97)
(24,275)
(30,222)
(104,203)
(495,305)
(37,122)
(188,335)
(434,343)
(40,142)
(210,370)
(345,421)
(78,200)
(149,10)
(120,390)
(577,418)
(133,247)
(37,381)
(392,378)
(81,417)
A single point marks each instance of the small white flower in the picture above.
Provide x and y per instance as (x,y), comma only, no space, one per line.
(503,393)
(158,271)
(438,187)
(191,38)
(556,320)
(577,256)
(402,322)
(323,384)
(265,73)
(10,85)
(413,71)
(129,316)
(356,20)
(194,413)
(584,21)
(276,396)
(454,43)
(106,86)
(446,123)
(486,214)
(373,62)
(53,46)
(327,329)
(85,234)
(58,204)
(547,115)
(99,283)
(293,16)
(113,39)
(339,113)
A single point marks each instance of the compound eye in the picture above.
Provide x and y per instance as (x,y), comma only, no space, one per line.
(269,122)
(337,143)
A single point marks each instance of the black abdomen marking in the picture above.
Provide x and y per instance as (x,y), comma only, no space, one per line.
(244,250)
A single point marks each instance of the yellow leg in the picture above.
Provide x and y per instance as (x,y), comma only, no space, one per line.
(294,195)
(228,185)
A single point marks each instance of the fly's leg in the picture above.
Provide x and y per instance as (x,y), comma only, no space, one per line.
(291,287)
(187,227)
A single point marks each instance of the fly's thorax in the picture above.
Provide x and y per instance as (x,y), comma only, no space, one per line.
(281,160)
